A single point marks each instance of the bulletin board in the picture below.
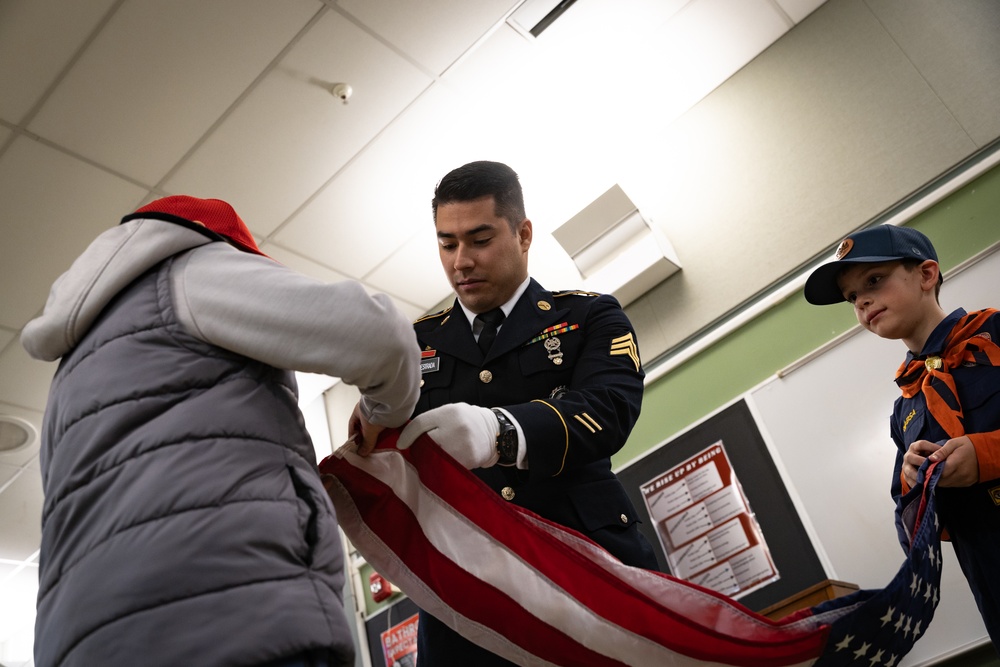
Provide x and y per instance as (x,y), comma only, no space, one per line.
(731,432)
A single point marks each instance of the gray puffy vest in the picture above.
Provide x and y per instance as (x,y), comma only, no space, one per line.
(184,521)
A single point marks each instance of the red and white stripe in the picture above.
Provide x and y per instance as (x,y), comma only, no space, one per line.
(530,590)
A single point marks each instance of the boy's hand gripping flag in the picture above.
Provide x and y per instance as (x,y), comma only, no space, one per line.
(538,593)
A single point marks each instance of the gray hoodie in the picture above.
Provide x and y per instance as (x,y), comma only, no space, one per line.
(295,322)
(184,521)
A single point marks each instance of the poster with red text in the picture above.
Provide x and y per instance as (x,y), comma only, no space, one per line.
(399,643)
(706,527)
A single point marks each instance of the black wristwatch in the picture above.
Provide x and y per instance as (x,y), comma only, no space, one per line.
(506,440)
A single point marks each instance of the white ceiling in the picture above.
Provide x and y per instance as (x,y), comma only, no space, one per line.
(107,104)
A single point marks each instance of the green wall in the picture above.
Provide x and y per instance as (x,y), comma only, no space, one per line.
(963,224)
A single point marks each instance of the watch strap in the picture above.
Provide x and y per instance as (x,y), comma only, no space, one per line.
(506,439)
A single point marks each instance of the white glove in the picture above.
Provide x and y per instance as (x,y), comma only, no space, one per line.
(467,432)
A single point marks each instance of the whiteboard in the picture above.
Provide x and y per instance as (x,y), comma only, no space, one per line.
(827,424)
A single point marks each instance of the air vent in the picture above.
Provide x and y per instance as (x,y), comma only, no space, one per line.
(15,434)
(534,16)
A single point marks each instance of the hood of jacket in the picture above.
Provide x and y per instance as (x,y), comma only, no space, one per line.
(111,262)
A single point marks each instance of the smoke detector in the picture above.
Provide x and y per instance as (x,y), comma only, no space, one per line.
(342,91)
(16,434)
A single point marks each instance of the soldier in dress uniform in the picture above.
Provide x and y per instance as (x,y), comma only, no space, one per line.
(533,390)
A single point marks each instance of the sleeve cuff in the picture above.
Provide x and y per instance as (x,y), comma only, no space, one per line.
(988,453)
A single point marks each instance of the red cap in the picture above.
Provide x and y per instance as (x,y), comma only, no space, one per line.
(215,214)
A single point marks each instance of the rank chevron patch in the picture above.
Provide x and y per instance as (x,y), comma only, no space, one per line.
(626,345)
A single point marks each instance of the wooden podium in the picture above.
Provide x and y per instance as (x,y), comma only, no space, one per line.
(827,589)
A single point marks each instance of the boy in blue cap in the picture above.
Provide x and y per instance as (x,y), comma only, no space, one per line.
(950,382)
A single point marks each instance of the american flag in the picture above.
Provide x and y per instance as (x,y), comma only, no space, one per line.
(538,593)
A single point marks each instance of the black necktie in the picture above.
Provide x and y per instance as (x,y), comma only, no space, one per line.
(491,320)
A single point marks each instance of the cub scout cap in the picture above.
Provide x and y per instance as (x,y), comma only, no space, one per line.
(885,243)
(214,214)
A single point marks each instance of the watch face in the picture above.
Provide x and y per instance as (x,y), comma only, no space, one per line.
(507,446)
(507,440)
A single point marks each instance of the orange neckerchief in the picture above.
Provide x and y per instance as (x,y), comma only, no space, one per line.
(932,375)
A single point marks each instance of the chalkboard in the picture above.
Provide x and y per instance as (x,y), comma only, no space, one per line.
(827,421)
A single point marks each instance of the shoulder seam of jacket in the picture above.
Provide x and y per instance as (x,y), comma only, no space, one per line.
(570,292)
(433,315)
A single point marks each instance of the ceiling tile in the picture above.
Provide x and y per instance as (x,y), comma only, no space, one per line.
(559,146)
(302,264)
(37,40)
(291,134)
(160,74)
(799,9)
(414,271)
(319,272)
(7,472)
(566,144)
(698,49)
(89,201)
(33,378)
(337,228)
(964,73)
(726,33)
(577,85)
(504,53)
(384,194)
(20,509)
(593,104)
(411,311)
(434,33)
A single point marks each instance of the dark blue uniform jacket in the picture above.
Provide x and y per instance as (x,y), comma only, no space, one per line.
(971,514)
(566,366)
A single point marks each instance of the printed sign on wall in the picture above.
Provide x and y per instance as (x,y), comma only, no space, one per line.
(706,527)
(399,643)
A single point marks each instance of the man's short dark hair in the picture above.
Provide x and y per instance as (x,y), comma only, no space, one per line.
(481,179)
